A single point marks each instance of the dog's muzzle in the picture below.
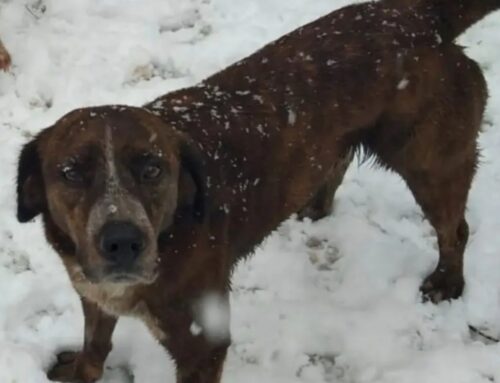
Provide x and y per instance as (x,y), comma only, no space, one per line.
(121,244)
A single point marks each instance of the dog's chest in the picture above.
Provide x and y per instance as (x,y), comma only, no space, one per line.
(117,300)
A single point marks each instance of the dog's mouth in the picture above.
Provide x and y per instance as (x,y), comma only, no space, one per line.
(136,276)
(130,278)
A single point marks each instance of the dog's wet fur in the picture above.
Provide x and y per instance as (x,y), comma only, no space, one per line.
(150,208)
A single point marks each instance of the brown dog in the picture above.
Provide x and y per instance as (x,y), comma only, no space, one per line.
(150,208)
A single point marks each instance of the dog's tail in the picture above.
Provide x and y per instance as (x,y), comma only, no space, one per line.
(455,16)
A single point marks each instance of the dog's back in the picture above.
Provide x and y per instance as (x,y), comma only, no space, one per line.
(365,74)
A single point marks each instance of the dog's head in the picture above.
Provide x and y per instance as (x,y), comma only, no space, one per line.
(110,180)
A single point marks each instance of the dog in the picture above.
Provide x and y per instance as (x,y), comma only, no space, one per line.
(151,207)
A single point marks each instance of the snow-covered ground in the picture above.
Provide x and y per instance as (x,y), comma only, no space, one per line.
(333,301)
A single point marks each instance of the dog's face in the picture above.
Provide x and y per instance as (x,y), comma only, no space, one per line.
(108,179)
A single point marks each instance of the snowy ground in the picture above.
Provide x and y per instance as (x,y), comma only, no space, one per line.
(334,301)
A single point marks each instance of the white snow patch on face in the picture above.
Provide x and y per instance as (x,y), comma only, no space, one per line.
(195,329)
(112,209)
(213,317)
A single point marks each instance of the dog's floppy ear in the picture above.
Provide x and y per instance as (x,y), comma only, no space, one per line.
(192,180)
(30,187)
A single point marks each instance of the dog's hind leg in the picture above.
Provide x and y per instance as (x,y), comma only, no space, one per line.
(439,174)
(431,142)
(442,195)
(321,204)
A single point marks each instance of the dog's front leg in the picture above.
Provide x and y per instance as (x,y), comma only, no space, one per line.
(86,366)
(198,354)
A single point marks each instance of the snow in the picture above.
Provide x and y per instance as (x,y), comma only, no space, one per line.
(403,84)
(292,117)
(333,301)
(213,317)
(113,209)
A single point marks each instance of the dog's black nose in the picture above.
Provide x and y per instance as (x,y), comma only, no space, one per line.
(121,243)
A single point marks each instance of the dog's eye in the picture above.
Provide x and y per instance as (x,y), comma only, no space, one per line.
(71,174)
(150,172)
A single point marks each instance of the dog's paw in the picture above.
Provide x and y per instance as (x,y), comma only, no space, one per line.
(72,367)
(314,214)
(442,285)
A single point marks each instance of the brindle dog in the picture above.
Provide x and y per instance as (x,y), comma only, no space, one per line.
(150,208)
